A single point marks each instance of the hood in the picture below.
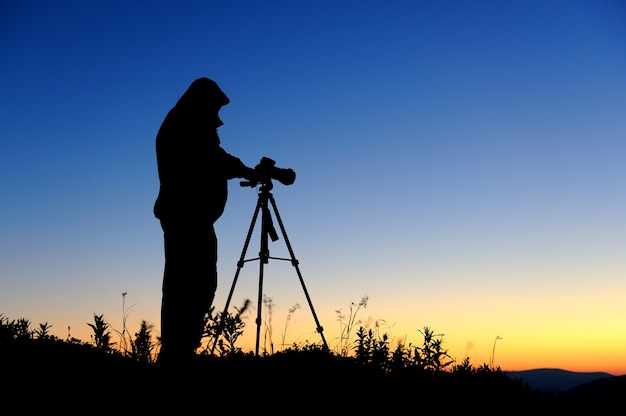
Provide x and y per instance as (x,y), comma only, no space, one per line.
(203,94)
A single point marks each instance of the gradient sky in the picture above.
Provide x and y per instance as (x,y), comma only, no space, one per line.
(459,163)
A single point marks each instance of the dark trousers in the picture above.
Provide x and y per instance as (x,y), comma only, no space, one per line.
(189,284)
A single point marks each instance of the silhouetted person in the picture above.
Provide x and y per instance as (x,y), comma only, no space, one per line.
(193,172)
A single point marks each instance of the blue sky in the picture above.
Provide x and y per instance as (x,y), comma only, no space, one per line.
(460,163)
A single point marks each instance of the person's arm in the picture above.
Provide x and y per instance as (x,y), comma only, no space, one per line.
(235,168)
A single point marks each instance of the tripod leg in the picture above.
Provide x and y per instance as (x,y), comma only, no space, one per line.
(240,263)
(267,230)
(294,262)
(259,304)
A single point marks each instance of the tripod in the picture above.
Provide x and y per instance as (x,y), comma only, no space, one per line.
(267,231)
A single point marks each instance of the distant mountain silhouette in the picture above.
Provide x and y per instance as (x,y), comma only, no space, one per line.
(600,389)
(556,380)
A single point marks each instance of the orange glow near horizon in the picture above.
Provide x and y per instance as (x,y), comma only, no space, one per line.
(569,349)
(578,328)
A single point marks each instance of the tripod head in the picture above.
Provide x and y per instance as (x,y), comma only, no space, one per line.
(267,227)
(265,186)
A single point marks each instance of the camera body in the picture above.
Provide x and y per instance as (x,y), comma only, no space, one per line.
(266,170)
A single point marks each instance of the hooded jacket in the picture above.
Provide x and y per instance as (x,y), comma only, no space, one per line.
(193,168)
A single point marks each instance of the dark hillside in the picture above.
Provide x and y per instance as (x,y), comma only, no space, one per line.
(44,374)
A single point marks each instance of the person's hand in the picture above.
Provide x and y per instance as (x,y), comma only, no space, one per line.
(251,175)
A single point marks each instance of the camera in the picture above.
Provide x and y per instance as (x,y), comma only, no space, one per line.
(266,170)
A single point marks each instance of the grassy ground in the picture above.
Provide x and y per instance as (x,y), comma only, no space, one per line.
(42,375)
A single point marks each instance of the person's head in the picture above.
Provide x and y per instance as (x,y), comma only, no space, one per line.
(204,98)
